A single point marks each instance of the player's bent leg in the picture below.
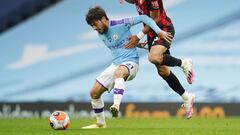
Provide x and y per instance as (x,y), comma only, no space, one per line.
(121,74)
(173,82)
(187,66)
(97,90)
(159,56)
(163,71)
(171,79)
(98,106)
(156,54)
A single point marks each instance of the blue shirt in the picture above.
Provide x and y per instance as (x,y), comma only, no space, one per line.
(117,36)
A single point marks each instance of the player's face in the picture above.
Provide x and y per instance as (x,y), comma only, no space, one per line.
(99,26)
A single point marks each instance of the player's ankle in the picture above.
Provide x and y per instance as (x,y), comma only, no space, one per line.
(116,106)
(185,95)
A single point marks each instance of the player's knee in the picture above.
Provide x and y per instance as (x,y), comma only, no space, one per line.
(94,95)
(155,58)
(163,72)
(118,74)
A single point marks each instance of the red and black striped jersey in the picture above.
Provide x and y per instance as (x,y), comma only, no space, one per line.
(144,7)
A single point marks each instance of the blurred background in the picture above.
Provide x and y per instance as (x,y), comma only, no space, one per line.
(49,53)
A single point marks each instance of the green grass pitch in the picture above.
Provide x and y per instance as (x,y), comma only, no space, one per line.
(172,126)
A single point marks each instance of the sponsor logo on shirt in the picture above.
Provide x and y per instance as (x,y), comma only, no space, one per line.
(154,4)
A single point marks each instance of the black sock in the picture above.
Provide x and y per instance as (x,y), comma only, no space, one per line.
(174,83)
(171,61)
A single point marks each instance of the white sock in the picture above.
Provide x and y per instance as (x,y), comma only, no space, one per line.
(118,91)
(185,95)
(117,99)
(182,65)
(100,118)
(98,105)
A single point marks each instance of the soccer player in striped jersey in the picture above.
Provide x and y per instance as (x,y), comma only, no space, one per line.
(124,67)
(159,50)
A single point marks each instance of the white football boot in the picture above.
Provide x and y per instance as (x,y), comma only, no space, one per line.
(187,66)
(95,126)
(188,104)
(114,110)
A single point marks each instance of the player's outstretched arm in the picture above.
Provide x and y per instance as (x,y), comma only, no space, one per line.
(164,35)
(133,40)
(151,24)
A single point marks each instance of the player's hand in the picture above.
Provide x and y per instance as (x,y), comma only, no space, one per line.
(166,36)
(142,45)
(132,41)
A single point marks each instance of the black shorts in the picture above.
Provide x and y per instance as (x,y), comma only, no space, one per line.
(162,42)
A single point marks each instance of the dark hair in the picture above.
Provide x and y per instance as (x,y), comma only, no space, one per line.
(95,13)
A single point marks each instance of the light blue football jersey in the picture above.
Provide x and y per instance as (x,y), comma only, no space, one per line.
(117,36)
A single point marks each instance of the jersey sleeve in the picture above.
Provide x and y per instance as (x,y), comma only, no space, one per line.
(147,20)
(128,22)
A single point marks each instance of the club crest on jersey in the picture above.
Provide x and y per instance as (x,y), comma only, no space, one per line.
(114,37)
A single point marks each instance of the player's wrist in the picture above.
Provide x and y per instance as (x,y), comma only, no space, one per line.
(160,34)
(140,35)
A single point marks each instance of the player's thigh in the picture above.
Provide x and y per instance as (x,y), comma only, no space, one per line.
(121,72)
(157,46)
(106,78)
(159,41)
(163,71)
(132,69)
(157,50)
(97,90)
(156,54)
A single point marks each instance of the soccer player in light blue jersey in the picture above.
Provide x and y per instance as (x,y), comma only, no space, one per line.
(124,67)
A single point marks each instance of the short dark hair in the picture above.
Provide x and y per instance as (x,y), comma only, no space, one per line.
(95,13)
